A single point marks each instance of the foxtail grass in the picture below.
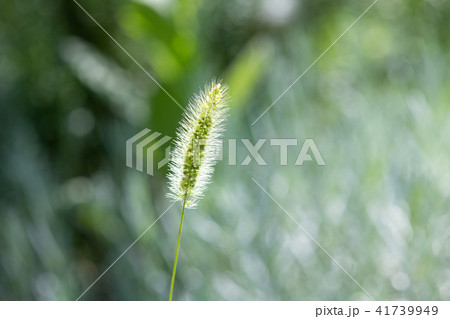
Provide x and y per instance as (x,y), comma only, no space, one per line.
(194,155)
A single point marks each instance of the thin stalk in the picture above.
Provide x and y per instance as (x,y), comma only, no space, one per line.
(178,247)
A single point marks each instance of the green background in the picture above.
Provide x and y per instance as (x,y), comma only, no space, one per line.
(376,105)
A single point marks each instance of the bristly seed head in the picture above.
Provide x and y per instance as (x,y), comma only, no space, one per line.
(194,155)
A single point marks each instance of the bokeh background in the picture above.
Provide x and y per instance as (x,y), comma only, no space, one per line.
(377,106)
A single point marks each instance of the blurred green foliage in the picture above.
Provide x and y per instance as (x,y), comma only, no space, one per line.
(377,106)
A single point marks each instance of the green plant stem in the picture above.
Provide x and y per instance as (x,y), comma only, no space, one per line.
(176,254)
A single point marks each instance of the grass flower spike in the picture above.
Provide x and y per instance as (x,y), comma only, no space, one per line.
(196,144)
(194,155)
